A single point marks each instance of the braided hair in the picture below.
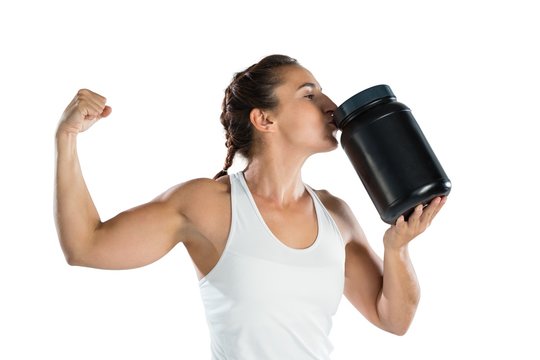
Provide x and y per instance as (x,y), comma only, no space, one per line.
(249,89)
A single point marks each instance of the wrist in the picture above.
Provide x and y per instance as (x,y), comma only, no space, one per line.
(66,143)
(399,250)
(63,134)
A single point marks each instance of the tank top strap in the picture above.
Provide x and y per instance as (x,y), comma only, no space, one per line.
(321,209)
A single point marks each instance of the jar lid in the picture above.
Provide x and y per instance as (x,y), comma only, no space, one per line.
(360,100)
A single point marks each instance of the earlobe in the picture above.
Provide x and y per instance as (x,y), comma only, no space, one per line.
(260,120)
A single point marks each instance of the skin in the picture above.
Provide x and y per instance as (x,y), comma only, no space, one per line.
(197,213)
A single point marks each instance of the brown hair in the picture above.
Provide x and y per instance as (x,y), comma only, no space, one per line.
(249,89)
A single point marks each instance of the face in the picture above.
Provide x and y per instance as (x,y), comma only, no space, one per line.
(303,118)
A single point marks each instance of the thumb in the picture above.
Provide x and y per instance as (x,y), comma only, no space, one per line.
(106,111)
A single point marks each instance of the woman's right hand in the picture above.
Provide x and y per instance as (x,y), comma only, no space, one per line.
(85,109)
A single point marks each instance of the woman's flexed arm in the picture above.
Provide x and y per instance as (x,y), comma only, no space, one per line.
(131,239)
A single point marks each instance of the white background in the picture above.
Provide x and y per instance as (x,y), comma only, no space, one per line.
(468,70)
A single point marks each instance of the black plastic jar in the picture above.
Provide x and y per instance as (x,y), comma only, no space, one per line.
(389,153)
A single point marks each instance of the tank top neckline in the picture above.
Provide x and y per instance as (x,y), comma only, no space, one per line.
(318,214)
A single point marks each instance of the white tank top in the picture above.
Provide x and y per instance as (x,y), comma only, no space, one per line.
(264,300)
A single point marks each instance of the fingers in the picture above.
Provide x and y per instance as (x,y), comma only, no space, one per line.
(92,96)
(435,206)
(439,206)
(417,213)
(404,231)
(423,215)
(430,211)
(92,105)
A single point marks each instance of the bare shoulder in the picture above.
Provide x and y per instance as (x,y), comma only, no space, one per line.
(200,200)
(197,193)
(333,203)
(342,214)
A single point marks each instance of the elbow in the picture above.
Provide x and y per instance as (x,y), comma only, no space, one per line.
(399,323)
(399,331)
(72,258)
(399,326)
(76,244)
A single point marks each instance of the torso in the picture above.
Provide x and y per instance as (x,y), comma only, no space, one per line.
(261,286)
(209,222)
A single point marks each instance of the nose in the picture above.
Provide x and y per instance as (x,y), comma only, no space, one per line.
(329,107)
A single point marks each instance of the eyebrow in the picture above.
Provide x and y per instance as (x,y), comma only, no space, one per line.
(308,84)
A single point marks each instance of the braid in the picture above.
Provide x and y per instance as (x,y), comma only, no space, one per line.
(231,151)
(226,122)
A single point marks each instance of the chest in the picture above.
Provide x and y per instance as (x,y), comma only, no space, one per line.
(254,281)
(295,226)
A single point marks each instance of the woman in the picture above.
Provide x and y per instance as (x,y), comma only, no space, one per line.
(273,256)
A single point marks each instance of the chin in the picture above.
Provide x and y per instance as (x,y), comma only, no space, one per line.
(334,142)
(332,145)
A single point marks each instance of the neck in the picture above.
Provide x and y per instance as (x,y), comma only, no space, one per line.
(277,179)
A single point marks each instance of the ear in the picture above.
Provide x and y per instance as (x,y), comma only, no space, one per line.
(260,120)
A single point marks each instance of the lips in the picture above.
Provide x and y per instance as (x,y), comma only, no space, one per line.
(332,121)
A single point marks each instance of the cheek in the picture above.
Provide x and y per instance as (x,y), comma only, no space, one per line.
(308,128)
(303,123)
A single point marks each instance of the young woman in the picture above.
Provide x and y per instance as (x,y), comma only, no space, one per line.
(273,255)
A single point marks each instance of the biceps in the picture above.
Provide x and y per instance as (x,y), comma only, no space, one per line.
(134,238)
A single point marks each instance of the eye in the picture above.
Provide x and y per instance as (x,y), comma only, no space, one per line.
(310,96)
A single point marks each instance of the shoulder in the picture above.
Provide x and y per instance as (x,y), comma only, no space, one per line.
(341,213)
(333,203)
(197,192)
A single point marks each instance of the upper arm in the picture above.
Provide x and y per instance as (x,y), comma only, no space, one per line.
(138,236)
(134,238)
(363,267)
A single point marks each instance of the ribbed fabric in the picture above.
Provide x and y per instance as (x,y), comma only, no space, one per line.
(267,301)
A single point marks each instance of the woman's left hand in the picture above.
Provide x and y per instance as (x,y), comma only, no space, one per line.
(403,232)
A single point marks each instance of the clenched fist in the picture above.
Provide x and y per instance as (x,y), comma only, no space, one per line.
(85,109)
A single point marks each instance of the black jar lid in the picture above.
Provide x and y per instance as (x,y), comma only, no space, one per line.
(344,112)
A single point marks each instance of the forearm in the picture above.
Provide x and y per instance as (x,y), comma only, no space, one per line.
(400,292)
(75,213)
